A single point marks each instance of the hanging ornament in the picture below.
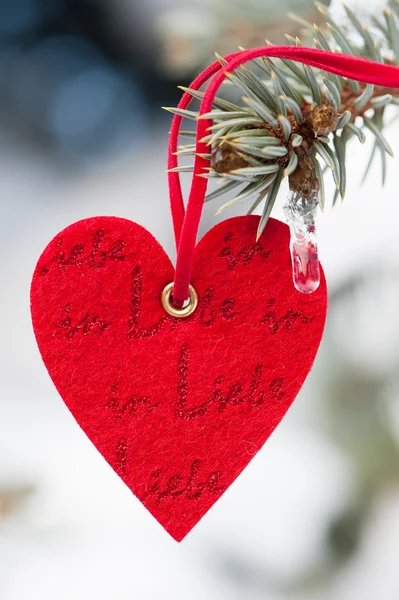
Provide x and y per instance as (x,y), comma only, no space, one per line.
(179,376)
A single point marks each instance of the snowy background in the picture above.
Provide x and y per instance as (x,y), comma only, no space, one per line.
(316,513)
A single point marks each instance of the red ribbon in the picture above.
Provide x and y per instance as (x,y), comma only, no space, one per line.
(186,223)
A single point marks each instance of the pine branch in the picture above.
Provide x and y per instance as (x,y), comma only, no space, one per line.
(292,116)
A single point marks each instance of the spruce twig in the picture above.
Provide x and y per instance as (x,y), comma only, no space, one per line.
(292,115)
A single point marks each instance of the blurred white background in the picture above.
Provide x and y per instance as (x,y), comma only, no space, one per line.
(316,513)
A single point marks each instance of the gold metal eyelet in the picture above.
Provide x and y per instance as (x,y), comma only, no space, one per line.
(184,311)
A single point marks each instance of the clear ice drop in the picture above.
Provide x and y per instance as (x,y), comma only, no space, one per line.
(300,213)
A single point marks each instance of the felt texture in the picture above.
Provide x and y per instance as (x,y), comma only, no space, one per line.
(178,407)
(186,223)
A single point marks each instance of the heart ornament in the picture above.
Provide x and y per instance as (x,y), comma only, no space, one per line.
(178,407)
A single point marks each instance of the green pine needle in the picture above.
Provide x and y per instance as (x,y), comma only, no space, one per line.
(269,203)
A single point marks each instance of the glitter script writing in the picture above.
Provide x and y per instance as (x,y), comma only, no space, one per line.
(131,407)
(191,486)
(95,256)
(245,255)
(285,322)
(207,314)
(234,396)
(84,326)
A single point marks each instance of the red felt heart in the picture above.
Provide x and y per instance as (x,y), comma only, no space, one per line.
(178,407)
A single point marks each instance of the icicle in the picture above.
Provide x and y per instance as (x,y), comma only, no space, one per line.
(301,214)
